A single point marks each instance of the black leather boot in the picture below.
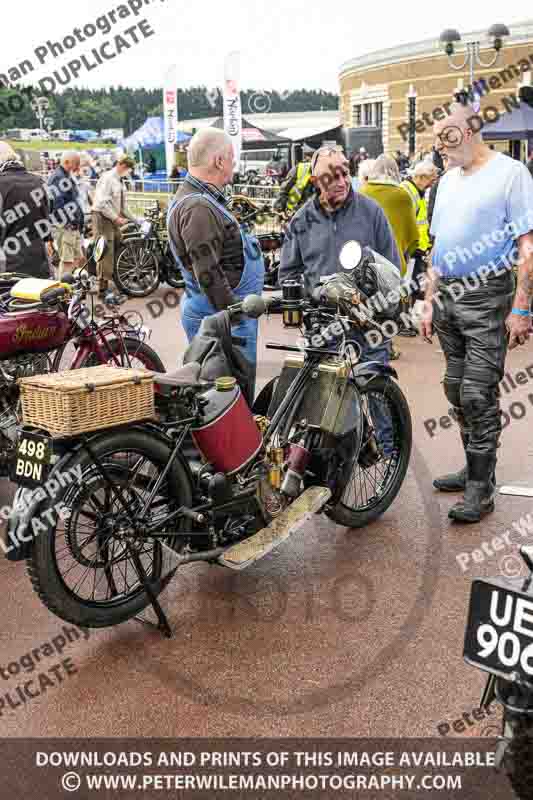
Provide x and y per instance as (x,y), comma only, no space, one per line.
(478,499)
(455,481)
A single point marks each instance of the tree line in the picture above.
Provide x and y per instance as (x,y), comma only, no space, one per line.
(122,107)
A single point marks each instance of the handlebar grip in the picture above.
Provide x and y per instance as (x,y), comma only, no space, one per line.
(68,277)
(53,294)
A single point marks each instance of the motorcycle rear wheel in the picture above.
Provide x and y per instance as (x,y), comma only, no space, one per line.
(175,279)
(101,560)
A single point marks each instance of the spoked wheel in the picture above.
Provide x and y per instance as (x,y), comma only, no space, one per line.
(518,760)
(83,568)
(136,272)
(516,744)
(129,352)
(374,474)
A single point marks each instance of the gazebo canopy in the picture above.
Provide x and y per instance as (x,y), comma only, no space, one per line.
(516,124)
(151,134)
(253,136)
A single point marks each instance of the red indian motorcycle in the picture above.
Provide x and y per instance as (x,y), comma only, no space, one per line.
(327,434)
(37,325)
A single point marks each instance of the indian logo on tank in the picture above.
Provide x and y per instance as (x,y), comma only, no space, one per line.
(26,335)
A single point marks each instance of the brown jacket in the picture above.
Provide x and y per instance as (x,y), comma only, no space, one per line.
(208,244)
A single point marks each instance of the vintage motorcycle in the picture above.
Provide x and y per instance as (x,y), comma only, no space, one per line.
(43,322)
(499,640)
(146,259)
(250,214)
(328,434)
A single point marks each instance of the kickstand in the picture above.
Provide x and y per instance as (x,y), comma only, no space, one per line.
(162,624)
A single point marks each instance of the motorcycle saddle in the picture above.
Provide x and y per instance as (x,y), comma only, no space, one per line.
(185,376)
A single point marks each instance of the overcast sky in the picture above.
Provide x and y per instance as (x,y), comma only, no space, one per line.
(285,44)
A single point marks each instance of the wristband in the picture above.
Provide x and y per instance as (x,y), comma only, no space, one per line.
(520,312)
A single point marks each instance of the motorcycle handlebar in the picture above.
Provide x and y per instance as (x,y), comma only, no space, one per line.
(252,306)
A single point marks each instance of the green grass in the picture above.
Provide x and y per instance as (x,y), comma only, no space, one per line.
(42,144)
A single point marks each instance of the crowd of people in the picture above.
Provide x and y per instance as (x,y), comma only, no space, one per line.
(457,225)
(46,239)
(461,221)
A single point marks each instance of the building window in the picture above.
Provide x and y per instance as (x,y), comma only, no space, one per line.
(356,116)
(378,115)
(368,113)
(412,123)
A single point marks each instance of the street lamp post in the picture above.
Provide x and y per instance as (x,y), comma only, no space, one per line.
(472,56)
(40,105)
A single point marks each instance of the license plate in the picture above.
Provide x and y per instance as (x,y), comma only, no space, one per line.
(32,463)
(499,633)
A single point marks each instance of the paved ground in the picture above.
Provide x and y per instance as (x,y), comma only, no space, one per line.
(336,633)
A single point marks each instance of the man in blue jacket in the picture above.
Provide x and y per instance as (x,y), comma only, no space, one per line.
(63,191)
(334,216)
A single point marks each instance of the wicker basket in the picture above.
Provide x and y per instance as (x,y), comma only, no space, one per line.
(83,400)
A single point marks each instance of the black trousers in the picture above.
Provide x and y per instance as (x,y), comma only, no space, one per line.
(470,325)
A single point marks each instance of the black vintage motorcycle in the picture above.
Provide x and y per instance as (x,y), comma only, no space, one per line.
(145,259)
(254,216)
(499,640)
(327,435)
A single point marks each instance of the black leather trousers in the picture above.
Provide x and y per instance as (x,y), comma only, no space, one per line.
(469,319)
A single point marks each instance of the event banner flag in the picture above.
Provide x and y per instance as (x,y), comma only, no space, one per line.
(170,111)
(232,104)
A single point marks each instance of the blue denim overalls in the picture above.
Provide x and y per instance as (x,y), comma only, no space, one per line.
(194,303)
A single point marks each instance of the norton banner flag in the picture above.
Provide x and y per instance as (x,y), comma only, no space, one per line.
(170,111)
(232,104)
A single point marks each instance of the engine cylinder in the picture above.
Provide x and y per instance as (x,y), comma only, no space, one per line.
(228,437)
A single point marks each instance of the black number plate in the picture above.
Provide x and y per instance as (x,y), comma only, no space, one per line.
(32,463)
(499,633)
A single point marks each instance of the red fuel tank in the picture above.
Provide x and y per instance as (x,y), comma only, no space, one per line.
(32,332)
(228,437)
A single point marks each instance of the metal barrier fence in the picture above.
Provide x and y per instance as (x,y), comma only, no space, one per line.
(142,195)
(265,194)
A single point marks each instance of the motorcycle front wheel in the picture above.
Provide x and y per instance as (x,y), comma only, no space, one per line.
(130,353)
(82,567)
(518,759)
(136,272)
(374,475)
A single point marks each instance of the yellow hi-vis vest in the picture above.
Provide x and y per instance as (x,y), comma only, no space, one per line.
(424,242)
(303,176)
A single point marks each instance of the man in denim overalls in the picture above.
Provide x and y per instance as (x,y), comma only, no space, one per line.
(221,263)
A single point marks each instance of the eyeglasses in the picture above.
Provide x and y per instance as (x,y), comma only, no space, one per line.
(326,150)
(452,136)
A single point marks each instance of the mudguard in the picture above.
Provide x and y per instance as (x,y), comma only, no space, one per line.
(368,371)
(28,502)
(264,398)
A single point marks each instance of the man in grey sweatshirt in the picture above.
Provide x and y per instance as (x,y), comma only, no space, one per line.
(319,230)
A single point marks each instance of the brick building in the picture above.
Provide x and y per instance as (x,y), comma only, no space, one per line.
(387,88)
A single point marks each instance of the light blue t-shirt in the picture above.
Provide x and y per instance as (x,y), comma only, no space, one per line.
(477,218)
